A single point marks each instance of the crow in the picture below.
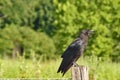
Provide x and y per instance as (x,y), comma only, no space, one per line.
(74,51)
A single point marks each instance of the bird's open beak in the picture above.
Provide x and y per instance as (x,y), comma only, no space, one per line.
(91,31)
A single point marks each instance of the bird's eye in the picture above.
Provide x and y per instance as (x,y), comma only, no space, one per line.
(87,33)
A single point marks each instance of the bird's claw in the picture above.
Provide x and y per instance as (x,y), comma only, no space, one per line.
(75,65)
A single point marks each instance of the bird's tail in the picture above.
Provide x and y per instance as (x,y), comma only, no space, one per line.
(64,67)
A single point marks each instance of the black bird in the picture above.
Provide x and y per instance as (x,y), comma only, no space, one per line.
(74,51)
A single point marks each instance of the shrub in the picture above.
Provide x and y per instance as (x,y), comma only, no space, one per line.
(30,40)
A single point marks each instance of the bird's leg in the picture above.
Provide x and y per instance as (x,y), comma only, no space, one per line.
(75,65)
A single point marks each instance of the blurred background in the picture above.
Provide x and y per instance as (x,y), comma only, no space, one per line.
(34,34)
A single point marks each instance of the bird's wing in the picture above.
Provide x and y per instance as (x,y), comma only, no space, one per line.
(73,48)
(70,56)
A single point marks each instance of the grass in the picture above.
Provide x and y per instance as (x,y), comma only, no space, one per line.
(22,68)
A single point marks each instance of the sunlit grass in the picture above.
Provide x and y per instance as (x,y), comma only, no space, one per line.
(22,68)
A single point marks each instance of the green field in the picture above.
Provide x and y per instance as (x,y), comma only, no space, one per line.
(22,68)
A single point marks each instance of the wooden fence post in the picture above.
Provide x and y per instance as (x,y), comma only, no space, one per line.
(80,73)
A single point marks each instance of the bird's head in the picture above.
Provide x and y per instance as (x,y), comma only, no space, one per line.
(86,32)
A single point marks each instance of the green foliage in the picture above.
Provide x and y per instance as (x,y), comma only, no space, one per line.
(45,15)
(101,16)
(38,14)
(30,40)
(19,12)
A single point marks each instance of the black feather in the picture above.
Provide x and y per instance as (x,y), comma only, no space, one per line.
(74,51)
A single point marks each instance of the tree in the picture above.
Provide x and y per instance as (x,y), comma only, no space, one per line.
(28,39)
(101,16)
